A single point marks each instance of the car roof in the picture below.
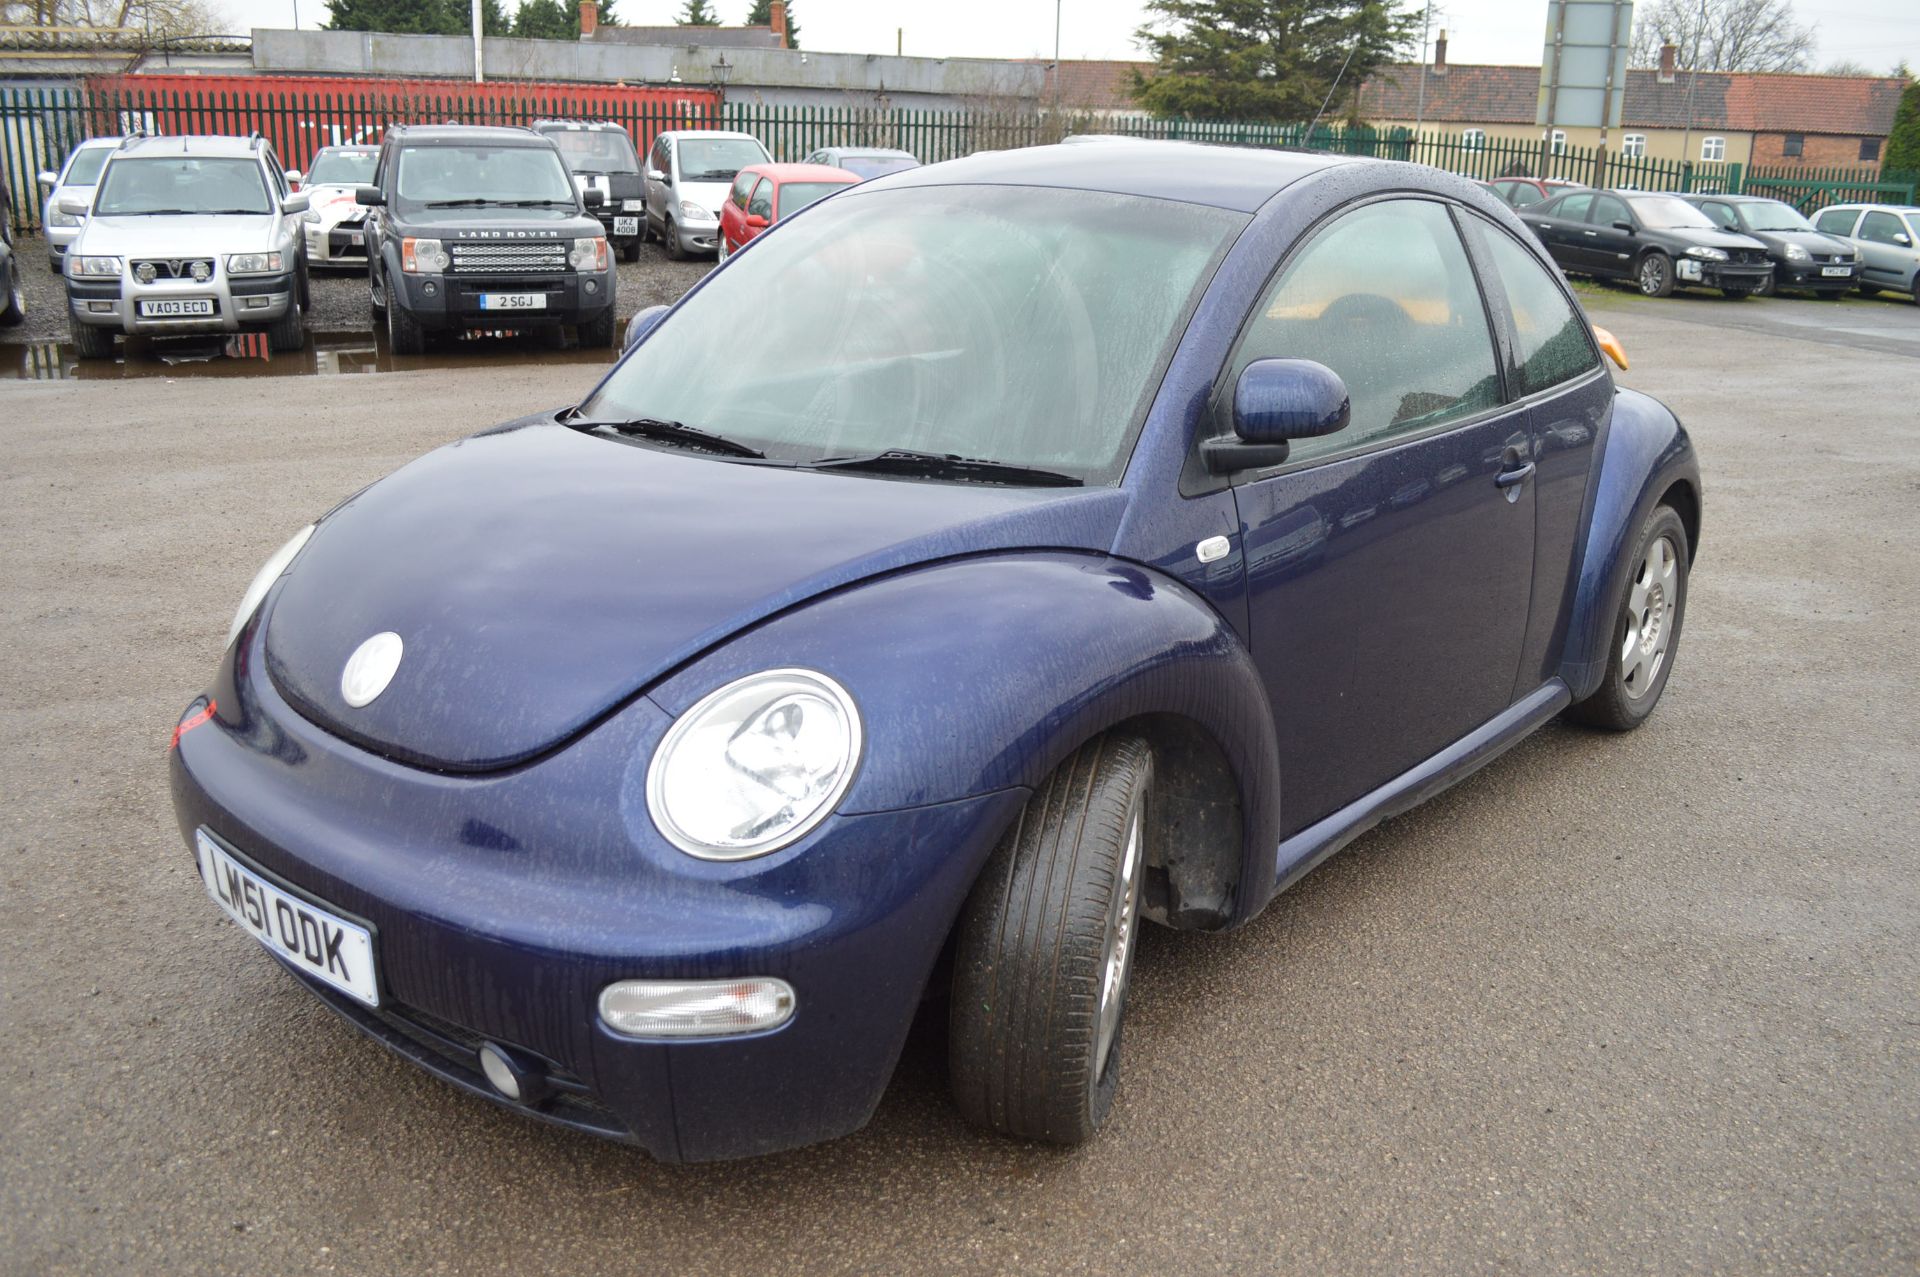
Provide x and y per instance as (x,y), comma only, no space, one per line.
(675,133)
(350,148)
(96,142)
(577,126)
(869,152)
(783,173)
(1230,177)
(192,144)
(466,134)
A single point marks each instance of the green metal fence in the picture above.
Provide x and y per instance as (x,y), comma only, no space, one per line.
(1811,189)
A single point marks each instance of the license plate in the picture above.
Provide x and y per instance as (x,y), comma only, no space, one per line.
(626,226)
(312,940)
(1836,270)
(513,301)
(176,306)
(633,206)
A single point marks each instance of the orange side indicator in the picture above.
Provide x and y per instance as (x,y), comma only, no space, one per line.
(1611,344)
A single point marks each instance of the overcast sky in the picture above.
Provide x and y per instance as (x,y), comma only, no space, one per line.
(1875,32)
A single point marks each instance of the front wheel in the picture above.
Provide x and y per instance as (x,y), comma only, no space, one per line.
(1646,633)
(630,251)
(90,342)
(1739,294)
(15,313)
(1767,287)
(670,240)
(1044,951)
(404,334)
(1655,276)
(289,332)
(598,334)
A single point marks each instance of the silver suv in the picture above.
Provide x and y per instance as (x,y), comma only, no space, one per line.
(688,173)
(188,235)
(1888,237)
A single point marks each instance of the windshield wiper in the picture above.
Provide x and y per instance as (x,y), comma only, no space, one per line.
(466,203)
(671,432)
(531,203)
(947,465)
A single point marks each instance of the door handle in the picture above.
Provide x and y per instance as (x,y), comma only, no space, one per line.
(1511,478)
(1591,234)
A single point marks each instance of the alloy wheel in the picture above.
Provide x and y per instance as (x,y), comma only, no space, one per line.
(1653,274)
(1123,927)
(1649,621)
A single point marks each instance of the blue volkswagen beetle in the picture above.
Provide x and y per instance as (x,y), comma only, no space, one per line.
(1090,535)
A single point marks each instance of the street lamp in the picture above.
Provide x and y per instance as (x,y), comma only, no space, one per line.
(721,72)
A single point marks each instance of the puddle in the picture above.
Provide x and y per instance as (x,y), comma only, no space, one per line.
(246,355)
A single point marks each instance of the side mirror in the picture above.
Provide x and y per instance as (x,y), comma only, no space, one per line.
(1277,400)
(756,221)
(368,196)
(1624,226)
(593,197)
(48,178)
(641,324)
(293,175)
(655,175)
(1903,239)
(72,207)
(296,202)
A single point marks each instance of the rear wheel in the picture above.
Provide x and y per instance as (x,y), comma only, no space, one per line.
(1655,275)
(1044,951)
(1646,632)
(90,342)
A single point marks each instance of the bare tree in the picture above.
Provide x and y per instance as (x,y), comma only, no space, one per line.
(160,17)
(1730,35)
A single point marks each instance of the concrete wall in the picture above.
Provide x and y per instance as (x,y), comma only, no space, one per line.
(772,76)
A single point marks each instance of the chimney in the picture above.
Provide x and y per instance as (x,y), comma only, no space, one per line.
(589,18)
(777,19)
(1669,54)
(1440,53)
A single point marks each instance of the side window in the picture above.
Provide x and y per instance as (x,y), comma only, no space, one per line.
(1713,149)
(1385,297)
(1722,215)
(1573,208)
(761,205)
(1552,342)
(659,161)
(741,185)
(1606,210)
(1881,228)
(276,173)
(1836,221)
(1525,193)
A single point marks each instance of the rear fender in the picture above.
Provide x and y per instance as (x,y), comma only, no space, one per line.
(1645,455)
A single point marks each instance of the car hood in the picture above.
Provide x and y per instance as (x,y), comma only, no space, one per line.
(481,223)
(539,577)
(1812,241)
(708,195)
(178,236)
(1706,238)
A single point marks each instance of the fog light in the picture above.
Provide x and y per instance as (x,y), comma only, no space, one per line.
(255,303)
(430,288)
(100,308)
(507,1075)
(695,1008)
(593,286)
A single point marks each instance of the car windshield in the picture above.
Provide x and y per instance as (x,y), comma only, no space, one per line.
(718,159)
(1667,212)
(190,184)
(482,175)
(871,166)
(596,150)
(1772,216)
(85,169)
(795,196)
(342,168)
(1021,325)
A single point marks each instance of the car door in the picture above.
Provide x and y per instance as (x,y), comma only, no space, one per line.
(1885,249)
(1389,564)
(1556,224)
(733,211)
(760,205)
(1606,249)
(659,167)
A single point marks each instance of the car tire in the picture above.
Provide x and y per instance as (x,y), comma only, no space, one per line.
(1044,949)
(15,313)
(1646,631)
(404,334)
(670,240)
(289,332)
(1653,275)
(1866,290)
(306,288)
(1738,294)
(90,342)
(630,251)
(1767,287)
(598,334)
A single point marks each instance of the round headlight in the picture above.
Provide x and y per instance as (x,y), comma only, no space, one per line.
(263,580)
(755,765)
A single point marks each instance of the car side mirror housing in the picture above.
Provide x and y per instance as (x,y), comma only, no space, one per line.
(297,202)
(293,175)
(72,207)
(368,196)
(593,197)
(641,324)
(1903,239)
(1274,402)
(1624,226)
(756,221)
(655,175)
(48,178)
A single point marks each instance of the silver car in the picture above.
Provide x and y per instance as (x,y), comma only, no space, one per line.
(73,181)
(336,226)
(688,174)
(188,235)
(1888,237)
(867,162)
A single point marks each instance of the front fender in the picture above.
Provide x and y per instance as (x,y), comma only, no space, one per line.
(1646,453)
(983,674)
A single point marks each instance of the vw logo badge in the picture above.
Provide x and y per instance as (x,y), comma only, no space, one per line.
(370,668)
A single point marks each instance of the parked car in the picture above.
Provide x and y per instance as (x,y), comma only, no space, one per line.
(764,193)
(689,172)
(187,235)
(1802,256)
(1087,536)
(476,227)
(1520,192)
(864,161)
(600,155)
(335,222)
(73,181)
(1888,237)
(1658,242)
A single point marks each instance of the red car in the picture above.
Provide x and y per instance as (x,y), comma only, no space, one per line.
(762,194)
(1522,191)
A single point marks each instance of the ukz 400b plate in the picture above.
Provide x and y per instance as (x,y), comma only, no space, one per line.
(313,940)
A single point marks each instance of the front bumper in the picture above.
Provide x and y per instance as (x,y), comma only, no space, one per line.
(1692,270)
(1810,275)
(239,302)
(699,238)
(503,903)
(453,300)
(336,245)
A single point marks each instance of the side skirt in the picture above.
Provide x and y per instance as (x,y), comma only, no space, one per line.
(1298,855)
